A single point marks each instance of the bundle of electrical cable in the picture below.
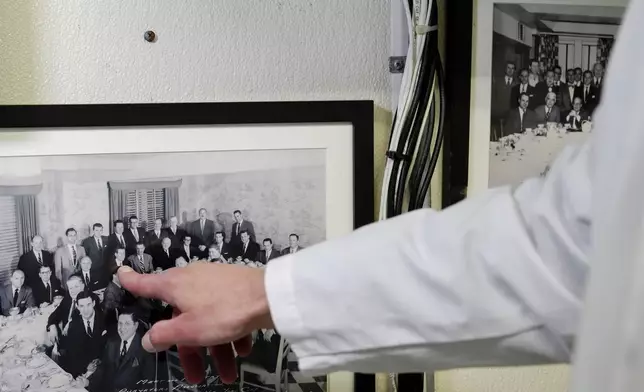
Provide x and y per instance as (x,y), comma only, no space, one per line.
(417,129)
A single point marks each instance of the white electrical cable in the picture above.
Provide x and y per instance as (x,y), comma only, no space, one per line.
(407,86)
(417,30)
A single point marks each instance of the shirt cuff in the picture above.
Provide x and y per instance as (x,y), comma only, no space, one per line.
(280,292)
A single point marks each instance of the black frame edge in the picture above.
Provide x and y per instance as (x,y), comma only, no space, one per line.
(359,113)
(458,53)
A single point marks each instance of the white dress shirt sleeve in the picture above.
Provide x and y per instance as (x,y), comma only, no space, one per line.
(493,280)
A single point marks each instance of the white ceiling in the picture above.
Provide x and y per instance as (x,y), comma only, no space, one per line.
(546,17)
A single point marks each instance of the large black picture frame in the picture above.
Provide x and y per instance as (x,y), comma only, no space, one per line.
(358,113)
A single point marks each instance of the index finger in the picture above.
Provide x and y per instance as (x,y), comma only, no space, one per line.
(146,285)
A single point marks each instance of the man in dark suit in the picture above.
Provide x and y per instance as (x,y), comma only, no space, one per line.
(240,225)
(153,237)
(58,321)
(175,233)
(549,112)
(164,258)
(188,251)
(589,93)
(579,77)
(118,260)
(141,262)
(93,281)
(502,92)
(225,249)
(115,240)
(569,91)
(520,118)
(523,87)
(16,294)
(268,253)
(96,247)
(577,116)
(125,365)
(558,79)
(248,250)
(46,287)
(547,87)
(598,79)
(30,262)
(293,244)
(202,230)
(133,235)
(85,339)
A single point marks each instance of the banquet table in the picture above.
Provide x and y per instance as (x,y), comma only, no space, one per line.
(23,363)
(520,156)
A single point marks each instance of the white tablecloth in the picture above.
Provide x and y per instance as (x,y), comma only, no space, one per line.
(529,157)
(22,362)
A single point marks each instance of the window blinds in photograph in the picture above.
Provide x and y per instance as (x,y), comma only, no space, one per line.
(9,243)
(147,205)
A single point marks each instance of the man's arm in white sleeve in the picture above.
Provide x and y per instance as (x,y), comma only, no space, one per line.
(494,280)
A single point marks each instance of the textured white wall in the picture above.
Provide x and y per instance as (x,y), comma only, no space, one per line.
(73,51)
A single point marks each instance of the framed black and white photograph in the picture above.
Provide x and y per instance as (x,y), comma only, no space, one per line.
(85,189)
(537,79)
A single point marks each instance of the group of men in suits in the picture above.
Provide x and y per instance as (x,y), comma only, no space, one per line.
(540,97)
(97,337)
(104,355)
(41,275)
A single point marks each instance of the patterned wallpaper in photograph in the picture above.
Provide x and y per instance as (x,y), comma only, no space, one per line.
(278,202)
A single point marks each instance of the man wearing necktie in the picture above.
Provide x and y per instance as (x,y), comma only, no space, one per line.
(30,262)
(598,75)
(519,118)
(133,235)
(248,250)
(16,294)
(547,87)
(268,253)
(240,225)
(47,287)
(202,231)
(590,93)
(224,249)
(91,281)
(523,87)
(502,94)
(125,363)
(153,237)
(577,116)
(549,112)
(67,257)
(96,247)
(163,258)
(85,339)
(116,239)
(293,244)
(141,262)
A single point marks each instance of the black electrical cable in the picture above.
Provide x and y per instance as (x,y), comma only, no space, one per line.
(439,139)
(426,156)
(422,99)
(410,132)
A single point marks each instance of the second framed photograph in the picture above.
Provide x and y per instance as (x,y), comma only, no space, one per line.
(537,77)
(86,189)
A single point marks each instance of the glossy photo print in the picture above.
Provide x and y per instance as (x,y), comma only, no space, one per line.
(68,222)
(548,68)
